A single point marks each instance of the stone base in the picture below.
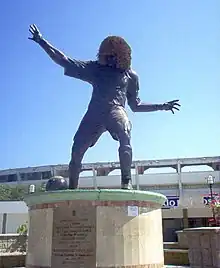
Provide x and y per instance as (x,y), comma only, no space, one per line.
(10,260)
(110,229)
(176,256)
(204,247)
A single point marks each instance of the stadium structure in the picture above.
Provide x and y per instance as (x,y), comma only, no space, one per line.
(187,191)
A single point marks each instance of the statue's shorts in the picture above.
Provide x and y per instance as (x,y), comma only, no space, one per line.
(92,126)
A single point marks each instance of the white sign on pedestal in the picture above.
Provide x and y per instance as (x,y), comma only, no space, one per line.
(133,211)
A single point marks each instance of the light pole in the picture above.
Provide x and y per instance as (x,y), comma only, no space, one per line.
(210,181)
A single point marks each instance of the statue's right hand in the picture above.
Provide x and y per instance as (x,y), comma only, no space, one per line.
(37,36)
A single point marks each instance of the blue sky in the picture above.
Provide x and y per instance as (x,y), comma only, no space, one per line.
(175,52)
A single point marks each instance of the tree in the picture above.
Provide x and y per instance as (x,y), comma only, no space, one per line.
(5,192)
(12,193)
(17,192)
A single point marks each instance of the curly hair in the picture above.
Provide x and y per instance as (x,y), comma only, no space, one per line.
(118,47)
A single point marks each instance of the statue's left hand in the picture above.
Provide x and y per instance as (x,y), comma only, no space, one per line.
(37,36)
(171,106)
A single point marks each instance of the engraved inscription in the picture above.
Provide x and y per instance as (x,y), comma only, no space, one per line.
(74,237)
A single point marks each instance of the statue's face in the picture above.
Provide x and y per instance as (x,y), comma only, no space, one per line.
(111,61)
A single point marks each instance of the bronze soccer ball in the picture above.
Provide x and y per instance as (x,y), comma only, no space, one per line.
(56,183)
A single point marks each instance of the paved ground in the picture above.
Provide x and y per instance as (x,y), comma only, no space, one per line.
(173,266)
(166,266)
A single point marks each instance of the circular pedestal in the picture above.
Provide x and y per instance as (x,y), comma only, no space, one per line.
(95,228)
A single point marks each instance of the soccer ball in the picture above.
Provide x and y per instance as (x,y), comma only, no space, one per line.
(56,183)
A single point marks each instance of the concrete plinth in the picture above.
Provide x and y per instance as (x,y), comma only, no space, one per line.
(95,228)
(204,247)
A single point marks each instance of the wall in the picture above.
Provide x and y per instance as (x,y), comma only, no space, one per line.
(12,214)
(154,179)
(14,220)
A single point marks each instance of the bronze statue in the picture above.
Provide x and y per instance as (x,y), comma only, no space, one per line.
(113,83)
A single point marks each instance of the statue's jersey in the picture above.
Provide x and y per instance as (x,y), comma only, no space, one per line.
(111,86)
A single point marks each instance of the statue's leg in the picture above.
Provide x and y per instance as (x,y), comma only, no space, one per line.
(119,127)
(78,150)
(86,136)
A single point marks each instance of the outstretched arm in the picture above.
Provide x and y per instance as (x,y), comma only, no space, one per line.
(74,68)
(56,55)
(137,105)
